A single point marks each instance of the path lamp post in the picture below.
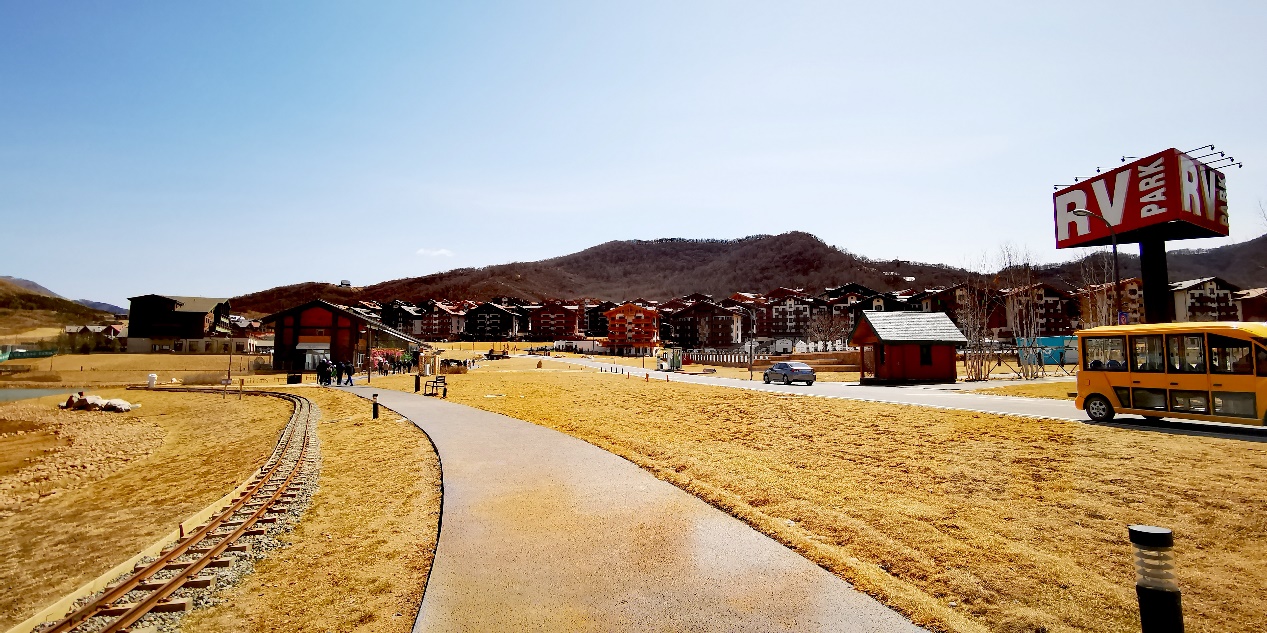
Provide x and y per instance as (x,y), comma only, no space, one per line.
(1117,281)
(1160,602)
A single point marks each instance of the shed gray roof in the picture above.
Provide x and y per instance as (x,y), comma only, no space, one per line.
(914,327)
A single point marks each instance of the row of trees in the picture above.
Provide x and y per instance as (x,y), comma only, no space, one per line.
(1016,269)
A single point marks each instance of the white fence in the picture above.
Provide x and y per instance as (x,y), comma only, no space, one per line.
(728,359)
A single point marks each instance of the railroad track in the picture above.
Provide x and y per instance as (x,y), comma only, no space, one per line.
(150,588)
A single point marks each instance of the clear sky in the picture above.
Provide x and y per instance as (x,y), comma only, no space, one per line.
(220,148)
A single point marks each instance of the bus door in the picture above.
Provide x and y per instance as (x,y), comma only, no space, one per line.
(1189,381)
(1260,370)
(1150,385)
(1232,381)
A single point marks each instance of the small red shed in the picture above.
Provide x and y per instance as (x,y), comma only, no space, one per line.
(904,347)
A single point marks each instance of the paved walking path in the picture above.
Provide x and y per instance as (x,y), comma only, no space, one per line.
(544,532)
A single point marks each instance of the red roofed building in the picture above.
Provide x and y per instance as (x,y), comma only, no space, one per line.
(556,321)
(633,329)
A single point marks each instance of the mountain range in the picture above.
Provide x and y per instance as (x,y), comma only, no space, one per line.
(23,310)
(659,269)
(36,288)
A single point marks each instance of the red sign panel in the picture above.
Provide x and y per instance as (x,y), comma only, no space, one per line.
(1169,195)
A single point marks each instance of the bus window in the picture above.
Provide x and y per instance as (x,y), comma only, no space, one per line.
(1187,353)
(1262,360)
(1230,355)
(1148,354)
(1104,353)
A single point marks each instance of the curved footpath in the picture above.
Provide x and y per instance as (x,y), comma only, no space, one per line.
(541,531)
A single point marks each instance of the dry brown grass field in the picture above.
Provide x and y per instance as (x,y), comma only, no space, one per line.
(359,559)
(963,521)
(26,325)
(1054,390)
(28,335)
(125,369)
(114,483)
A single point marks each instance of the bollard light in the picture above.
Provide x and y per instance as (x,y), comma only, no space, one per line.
(375,406)
(417,383)
(1160,603)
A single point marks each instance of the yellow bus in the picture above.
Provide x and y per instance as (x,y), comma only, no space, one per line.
(1213,371)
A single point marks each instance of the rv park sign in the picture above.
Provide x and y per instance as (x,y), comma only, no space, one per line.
(1166,196)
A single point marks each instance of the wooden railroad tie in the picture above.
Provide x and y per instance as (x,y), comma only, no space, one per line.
(162,607)
(197,582)
(215,562)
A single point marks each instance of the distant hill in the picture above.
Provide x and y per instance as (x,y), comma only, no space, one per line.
(659,269)
(22,309)
(1242,264)
(655,269)
(103,306)
(27,284)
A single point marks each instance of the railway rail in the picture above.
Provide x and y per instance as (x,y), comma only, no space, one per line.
(151,586)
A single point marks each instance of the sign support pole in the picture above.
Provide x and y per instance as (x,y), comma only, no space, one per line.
(1158,304)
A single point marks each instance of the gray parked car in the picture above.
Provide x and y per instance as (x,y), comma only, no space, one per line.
(789,373)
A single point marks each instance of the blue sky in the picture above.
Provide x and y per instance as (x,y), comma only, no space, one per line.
(221,148)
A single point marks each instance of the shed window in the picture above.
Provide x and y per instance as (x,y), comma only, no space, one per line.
(926,354)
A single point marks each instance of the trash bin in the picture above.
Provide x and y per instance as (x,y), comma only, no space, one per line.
(294,379)
(151,380)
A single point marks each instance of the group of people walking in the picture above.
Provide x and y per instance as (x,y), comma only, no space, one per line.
(327,370)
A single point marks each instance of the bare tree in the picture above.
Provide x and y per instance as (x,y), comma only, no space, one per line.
(975,301)
(827,327)
(1024,303)
(1096,275)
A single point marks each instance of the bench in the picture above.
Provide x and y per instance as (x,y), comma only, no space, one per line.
(436,387)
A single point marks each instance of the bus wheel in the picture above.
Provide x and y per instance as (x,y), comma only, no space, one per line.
(1099,409)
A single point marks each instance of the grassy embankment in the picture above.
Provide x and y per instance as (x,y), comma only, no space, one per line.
(1053,390)
(964,521)
(359,559)
(93,488)
(100,370)
(23,333)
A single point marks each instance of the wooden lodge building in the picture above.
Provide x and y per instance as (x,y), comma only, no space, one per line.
(706,324)
(907,346)
(556,321)
(305,334)
(596,319)
(496,322)
(169,323)
(633,330)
